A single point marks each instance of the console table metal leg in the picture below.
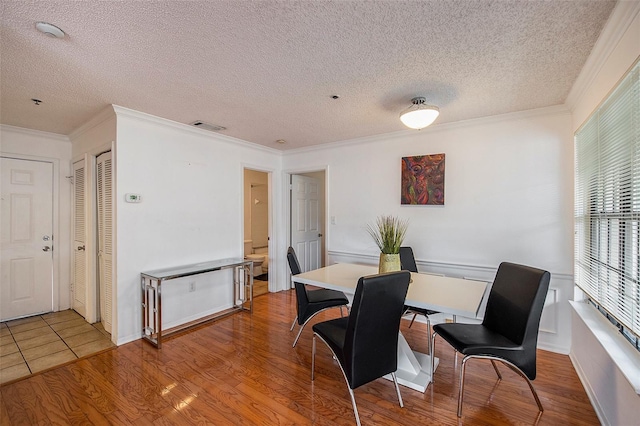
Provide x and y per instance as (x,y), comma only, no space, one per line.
(151,311)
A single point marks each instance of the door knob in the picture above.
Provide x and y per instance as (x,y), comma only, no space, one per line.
(319,235)
(80,248)
(46,248)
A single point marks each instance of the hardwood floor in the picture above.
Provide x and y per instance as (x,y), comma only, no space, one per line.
(243,370)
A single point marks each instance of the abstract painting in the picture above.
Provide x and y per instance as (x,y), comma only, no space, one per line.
(423,180)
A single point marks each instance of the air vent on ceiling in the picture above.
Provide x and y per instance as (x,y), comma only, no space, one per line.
(208,126)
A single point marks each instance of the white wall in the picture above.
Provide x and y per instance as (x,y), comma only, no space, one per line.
(508,197)
(191,211)
(54,148)
(613,397)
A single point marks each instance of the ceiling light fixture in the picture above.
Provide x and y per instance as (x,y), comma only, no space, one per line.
(419,115)
(49,30)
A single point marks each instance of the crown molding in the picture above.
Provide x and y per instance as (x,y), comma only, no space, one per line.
(618,23)
(137,115)
(31,132)
(386,137)
(104,115)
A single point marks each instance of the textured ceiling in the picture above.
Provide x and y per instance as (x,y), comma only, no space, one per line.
(267,70)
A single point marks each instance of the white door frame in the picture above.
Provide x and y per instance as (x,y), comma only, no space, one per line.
(286,189)
(57,238)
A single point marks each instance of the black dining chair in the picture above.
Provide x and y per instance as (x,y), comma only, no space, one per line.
(311,303)
(408,262)
(509,330)
(365,343)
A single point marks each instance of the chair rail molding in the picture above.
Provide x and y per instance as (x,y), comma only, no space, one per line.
(555,324)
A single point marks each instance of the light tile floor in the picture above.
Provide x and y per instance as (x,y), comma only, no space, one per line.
(29,345)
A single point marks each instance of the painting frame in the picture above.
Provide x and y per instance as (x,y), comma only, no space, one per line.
(422,180)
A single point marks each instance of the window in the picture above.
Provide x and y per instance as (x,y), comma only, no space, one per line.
(607,206)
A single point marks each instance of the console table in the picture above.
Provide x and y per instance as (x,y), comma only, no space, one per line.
(152,294)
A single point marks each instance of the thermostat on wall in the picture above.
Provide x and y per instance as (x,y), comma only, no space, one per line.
(132,198)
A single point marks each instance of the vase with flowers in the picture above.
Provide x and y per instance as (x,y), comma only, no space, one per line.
(388,233)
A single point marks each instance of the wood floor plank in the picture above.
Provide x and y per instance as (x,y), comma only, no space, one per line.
(242,370)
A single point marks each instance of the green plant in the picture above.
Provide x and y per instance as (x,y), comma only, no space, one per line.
(388,233)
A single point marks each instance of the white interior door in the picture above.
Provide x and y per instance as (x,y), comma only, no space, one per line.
(79,288)
(306,226)
(26,286)
(105,234)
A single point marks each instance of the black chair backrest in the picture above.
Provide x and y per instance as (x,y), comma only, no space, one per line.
(294,265)
(302,298)
(515,305)
(371,341)
(407,261)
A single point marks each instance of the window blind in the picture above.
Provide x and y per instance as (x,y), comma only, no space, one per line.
(607,205)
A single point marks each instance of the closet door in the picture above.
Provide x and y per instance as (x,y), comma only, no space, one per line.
(79,289)
(105,233)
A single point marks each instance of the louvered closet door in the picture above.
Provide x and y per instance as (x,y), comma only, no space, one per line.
(79,295)
(105,233)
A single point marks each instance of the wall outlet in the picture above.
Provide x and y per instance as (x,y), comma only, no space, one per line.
(192,286)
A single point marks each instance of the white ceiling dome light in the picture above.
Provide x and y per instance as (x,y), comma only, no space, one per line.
(49,30)
(419,115)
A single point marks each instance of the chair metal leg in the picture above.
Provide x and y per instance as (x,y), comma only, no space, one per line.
(355,408)
(533,390)
(313,358)
(309,319)
(295,320)
(412,320)
(353,398)
(298,335)
(495,367)
(493,359)
(433,355)
(461,391)
(429,334)
(395,382)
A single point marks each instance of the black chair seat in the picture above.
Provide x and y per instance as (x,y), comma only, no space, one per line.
(475,340)
(327,296)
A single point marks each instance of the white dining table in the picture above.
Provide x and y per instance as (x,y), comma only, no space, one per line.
(456,296)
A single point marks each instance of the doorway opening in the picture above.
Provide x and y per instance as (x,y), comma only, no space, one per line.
(257,212)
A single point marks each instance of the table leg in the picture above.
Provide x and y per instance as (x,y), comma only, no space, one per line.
(414,368)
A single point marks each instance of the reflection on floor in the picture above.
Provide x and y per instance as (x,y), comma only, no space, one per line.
(33,344)
(260,287)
